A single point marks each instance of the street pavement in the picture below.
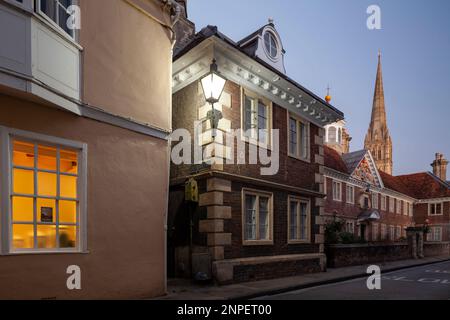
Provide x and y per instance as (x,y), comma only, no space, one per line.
(431,282)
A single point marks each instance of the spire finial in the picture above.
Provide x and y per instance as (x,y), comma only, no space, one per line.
(328,96)
(379,54)
(271,21)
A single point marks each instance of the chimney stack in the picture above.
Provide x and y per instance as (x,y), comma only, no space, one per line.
(440,167)
(184,28)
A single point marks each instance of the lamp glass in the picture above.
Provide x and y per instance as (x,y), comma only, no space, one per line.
(213,86)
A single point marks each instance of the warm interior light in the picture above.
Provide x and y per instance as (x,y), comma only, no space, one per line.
(29,205)
(213,85)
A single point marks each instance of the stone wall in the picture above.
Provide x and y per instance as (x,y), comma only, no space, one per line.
(359,254)
(433,249)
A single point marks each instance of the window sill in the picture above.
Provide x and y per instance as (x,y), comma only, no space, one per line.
(306,160)
(40,253)
(254,243)
(297,242)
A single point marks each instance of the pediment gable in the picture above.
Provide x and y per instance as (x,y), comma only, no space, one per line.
(366,170)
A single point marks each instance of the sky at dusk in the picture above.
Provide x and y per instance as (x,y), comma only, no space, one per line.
(328,42)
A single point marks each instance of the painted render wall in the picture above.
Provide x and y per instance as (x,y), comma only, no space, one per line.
(127,197)
(127,59)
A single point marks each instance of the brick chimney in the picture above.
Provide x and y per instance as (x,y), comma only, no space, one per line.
(440,167)
(184,28)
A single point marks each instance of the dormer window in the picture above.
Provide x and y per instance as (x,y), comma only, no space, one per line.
(271,44)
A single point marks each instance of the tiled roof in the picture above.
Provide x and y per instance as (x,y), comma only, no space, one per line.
(419,185)
(333,160)
(353,159)
(425,186)
(395,184)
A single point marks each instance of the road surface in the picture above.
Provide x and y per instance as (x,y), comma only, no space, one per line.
(430,282)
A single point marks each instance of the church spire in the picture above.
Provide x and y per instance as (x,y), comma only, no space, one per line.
(378,140)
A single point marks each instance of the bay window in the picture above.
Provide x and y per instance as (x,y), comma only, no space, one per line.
(298,137)
(257,217)
(298,220)
(56,11)
(44,194)
(256,119)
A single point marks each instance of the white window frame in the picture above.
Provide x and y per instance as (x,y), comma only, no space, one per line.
(383,203)
(308,222)
(411,210)
(391,204)
(435,236)
(7,135)
(335,197)
(350,226)
(398,206)
(257,194)
(27,5)
(392,233)
(54,24)
(351,199)
(255,131)
(434,204)
(300,143)
(375,199)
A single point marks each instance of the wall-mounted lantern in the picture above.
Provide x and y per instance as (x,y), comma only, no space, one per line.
(213,84)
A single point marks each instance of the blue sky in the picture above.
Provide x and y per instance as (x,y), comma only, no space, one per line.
(327,42)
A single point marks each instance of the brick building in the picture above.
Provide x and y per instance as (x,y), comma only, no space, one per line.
(361,191)
(248,225)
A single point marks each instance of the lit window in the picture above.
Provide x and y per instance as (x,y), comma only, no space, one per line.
(56,11)
(256,119)
(257,217)
(298,138)
(337,191)
(46,196)
(270,43)
(350,194)
(435,209)
(299,220)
